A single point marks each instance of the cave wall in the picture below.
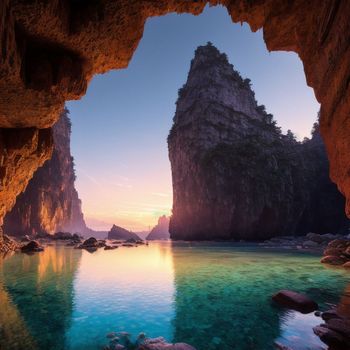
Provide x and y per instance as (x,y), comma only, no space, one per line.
(51,49)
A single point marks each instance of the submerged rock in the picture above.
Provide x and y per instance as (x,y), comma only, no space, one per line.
(295,301)
(121,340)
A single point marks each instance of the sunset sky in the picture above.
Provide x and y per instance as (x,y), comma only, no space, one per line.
(121,125)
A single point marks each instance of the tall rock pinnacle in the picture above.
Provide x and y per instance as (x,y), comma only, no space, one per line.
(235,175)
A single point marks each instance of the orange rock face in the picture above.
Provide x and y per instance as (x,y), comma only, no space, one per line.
(51,49)
(22,152)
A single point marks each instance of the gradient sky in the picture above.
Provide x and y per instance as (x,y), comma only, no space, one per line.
(120,127)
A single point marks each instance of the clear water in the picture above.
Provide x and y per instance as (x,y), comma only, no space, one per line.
(213,296)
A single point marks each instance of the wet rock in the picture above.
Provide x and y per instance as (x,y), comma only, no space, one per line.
(347,265)
(339,243)
(295,301)
(332,338)
(339,325)
(111,247)
(63,235)
(91,244)
(333,251)
(32,247)
(76,238)
(129,245)
(330,314)
(333,260)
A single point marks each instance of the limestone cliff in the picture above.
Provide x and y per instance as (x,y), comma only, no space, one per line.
(161,230)
(235,175)
(50,202)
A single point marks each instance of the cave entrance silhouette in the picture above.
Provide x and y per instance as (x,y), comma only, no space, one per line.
(43,66)
(138,103)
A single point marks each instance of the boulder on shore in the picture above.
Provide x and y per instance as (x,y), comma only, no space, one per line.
(337,252)
(333,260)
(295,301)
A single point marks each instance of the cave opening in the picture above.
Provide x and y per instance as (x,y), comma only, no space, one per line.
(179,290)
(120,126)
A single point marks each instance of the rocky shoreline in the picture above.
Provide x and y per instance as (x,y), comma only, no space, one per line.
(32,244)
(334,247)
(309,242)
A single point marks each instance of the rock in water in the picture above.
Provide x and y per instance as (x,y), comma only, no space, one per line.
(235,175)
(32,247)
(50,202)
(118,232)
(295,301)
(161,230)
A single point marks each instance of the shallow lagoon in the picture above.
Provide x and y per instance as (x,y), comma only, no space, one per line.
(212,296)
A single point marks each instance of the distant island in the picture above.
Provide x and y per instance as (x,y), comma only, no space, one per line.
(117,232)
(161,230)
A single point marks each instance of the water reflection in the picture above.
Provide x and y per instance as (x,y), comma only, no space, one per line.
(211,296)
(127,289)
(12,326)
(223,297)
(41,288)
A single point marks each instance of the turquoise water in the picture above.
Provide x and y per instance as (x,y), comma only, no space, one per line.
(212,296)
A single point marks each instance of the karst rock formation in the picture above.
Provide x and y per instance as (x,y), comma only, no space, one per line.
(161,230)
(50,203)
(235,175)
(120,233)
(50,50)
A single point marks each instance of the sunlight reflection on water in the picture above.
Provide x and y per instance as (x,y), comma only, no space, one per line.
(213,296)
